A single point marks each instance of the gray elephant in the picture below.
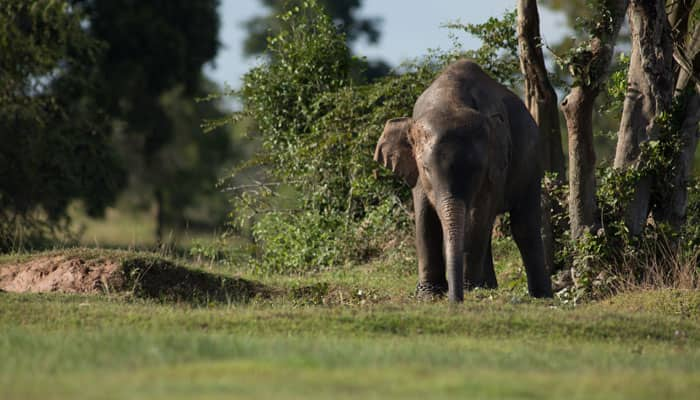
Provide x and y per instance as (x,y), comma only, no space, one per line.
(469,153)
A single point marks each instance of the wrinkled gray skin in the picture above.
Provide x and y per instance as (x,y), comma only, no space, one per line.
(469,153)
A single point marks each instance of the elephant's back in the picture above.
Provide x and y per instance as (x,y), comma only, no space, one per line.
(462,84)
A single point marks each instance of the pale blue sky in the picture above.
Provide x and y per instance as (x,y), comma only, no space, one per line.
(409,28)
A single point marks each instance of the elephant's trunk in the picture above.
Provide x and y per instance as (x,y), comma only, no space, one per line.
(452,215)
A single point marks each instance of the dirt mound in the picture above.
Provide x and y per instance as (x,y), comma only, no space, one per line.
(60,274)
(145,276)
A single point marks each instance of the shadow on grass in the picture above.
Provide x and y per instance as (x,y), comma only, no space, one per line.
(155,278)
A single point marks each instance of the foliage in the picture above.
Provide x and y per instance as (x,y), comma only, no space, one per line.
(611,101)
(190,164)
(581,59)
(147,80)
(156,44)
(573,10)
(54,149)
(343,14)
(498,53)
(691,229)
(305,240)
(582,16)
(318,132)
(555,193)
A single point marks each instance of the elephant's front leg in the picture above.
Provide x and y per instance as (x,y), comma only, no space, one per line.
(431,261)
(478,262)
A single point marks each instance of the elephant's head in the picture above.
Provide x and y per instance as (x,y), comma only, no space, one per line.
(448,155)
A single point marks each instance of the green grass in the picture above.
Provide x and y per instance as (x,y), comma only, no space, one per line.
(354,332)
(135,230)
(117,228)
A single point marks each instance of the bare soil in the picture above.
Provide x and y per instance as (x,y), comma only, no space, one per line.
(61,274)
(144,276)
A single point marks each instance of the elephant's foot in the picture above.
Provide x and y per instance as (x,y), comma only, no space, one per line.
(428,290)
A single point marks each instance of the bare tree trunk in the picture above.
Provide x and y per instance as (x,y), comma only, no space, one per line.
(649,94)
(160,215)
(540,97)
(688,58)
(589,71)
(678,18)
(578,112)
(541,101)
(675,211)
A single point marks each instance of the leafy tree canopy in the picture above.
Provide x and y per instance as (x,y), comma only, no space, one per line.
(152,46)
(54,149)
(147,80)
(341,12)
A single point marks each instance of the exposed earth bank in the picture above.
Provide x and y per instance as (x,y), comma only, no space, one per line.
(147,275)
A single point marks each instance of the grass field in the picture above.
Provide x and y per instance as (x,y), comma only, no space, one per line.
(353,332)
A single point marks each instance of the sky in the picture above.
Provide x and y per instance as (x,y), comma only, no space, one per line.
(408,30)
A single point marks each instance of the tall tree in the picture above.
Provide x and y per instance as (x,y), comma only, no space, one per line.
(588,65)
(153,47)
(54,150)
(649,93)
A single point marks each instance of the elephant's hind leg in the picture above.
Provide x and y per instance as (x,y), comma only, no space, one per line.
(489,271)
(526,229)
(431,261)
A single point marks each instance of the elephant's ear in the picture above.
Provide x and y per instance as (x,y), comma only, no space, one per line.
(395,152)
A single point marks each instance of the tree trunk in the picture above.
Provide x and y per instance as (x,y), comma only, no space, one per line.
(649,94)
(160,215)
(540,97)
(541,101)
(675,211)
(691,58)
(578,112)
(678,18)
(590,70)
(678,200)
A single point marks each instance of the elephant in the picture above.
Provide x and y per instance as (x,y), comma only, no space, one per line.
(469,153)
